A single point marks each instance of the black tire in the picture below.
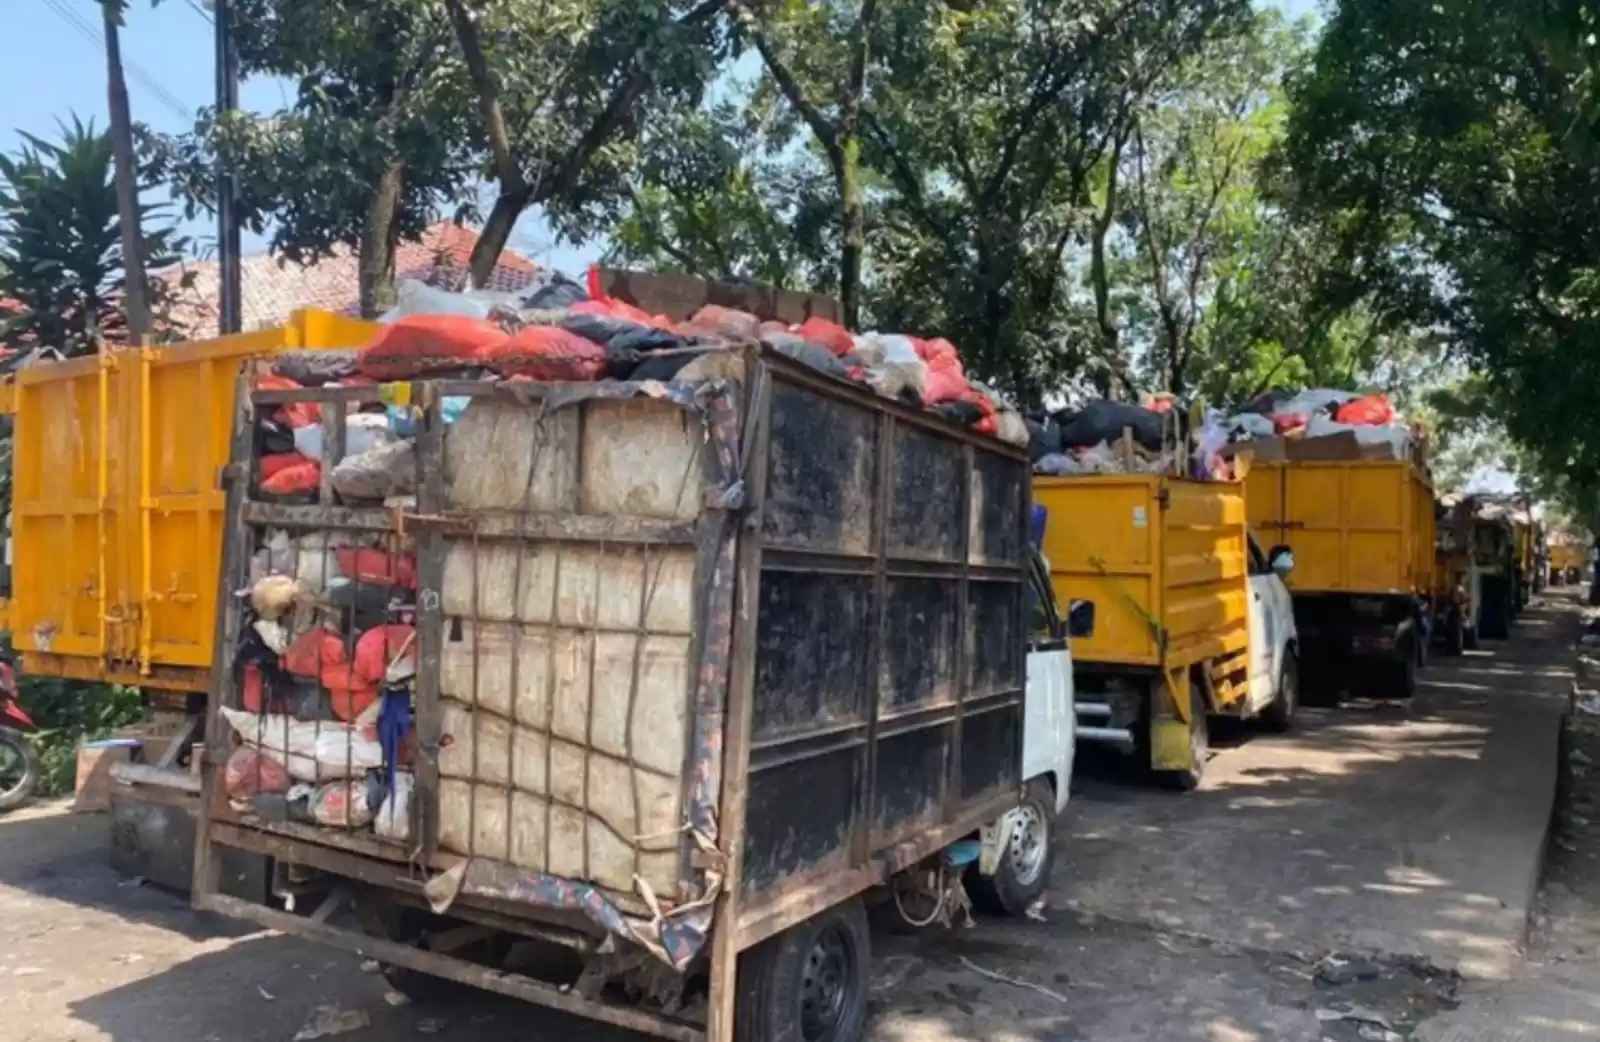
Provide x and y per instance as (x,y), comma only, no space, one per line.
(393,922)
(1469,637)
(19,769)
(809,983)
(1023,874)
(1279,716)
(1394,678)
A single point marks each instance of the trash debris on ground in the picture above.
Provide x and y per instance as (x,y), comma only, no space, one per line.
(330,1021)
(1015,982)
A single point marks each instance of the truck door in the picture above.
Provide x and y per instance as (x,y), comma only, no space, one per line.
(1265,617)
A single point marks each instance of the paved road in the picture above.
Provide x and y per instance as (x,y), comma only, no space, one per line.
(1173,918)
(1381,826)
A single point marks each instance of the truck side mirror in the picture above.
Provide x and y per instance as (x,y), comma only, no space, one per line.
(1281,560)
(1080,619)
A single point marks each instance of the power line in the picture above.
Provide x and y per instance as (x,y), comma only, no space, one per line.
(90,33)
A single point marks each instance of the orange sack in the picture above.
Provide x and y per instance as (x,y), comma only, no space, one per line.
(419,344)
(547,353)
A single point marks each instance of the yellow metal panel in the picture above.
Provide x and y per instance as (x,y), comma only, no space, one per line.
(1206,578)
(1163,560)
(1358,526)
(1102,542)
(116,553)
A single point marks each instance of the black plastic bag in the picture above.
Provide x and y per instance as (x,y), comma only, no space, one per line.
(601,329)
(963,413)
(806,353)
(1044,438)
(1105,421)
(273,438)
(662,367)
(315,368)
(559,292)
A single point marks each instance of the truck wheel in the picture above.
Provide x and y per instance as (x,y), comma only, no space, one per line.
(1397,678)
(1279,716)
(1469,637)
(1024,870)
(809,983)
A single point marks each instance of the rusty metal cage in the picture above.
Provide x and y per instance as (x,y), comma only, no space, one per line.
(684,655)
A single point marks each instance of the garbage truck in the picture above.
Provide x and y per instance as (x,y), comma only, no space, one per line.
(666,681)
(1361,528)
(1178,615)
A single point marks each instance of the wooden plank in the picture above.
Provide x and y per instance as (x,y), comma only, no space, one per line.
(431,552)
(334,416)
(146,774)
(540,993)
(281,515)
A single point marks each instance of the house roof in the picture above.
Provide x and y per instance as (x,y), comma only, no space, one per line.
(272,288)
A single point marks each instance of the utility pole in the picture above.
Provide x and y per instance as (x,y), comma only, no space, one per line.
(136,291)
(230,311)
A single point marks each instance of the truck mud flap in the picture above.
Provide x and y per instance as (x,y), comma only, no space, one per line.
(1169,725)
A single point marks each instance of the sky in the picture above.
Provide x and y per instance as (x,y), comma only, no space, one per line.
(55,68)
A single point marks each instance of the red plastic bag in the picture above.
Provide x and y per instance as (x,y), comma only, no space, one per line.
(382,645)
(250,772)
(275,463)
(947,379)
(297,414)
(547,353)
(253,691)
(729,322)
(1285,422)
(616,309)
(293,478)
(1372,411)
(418,344)
(378,567)
(311,651)
(321,654)
(830,335)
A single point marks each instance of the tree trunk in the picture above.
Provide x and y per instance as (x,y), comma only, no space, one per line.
(136,291)
(378,242)
(508,206)
(853,215)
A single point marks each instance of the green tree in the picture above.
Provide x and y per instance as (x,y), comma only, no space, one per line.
(1449,146)
(374,145)
(61,261)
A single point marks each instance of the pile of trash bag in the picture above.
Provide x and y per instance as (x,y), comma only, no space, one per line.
(1109,437)
(560,331)
(1317,413)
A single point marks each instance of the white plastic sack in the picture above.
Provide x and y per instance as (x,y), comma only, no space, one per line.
(363,432)
(418,298)
(1252,425)
(1396,437)
(1315,400)
(312,751)
(388,470)
(892,364)
(1209,441)
(394,815)
(342,804)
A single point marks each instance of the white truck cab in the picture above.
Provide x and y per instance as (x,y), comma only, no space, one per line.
(1014,867)
(1274,642)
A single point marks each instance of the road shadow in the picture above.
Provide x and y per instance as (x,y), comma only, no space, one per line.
(1401,827)
(53,854)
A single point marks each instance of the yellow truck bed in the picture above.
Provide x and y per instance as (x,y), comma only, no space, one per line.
(1356,526)
(116,506)
(1164,561)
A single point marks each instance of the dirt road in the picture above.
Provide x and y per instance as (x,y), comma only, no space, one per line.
(1407,837)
